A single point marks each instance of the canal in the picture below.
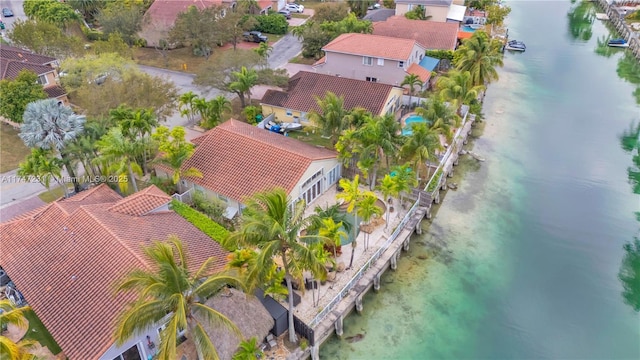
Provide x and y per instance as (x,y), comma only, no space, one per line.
(524,259)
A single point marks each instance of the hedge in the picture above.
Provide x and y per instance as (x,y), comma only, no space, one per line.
(214,230)
(434,182)
(272,24)
(440,54)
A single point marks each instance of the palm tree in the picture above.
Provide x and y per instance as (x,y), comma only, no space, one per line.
(440,116)
(367,209)
(119,155)
(218,106)
(186,105)
(355,118)
(457,88)
(174,151)
(388,189)
(264,50)
(331,117)
(351,194)
(333,233)
(332,212)
(168,288)
(51,126)
(411,80)
(10,350)
(248,350)
(377,137)
(242,83)
(404,180)
(137,126)
(479,55)
(43,166)
(272,225)
(421,146)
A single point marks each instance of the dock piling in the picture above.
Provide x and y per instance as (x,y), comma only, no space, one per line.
(359,304)
(339,327)
(376,282)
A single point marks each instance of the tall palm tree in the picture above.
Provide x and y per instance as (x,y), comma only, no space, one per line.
(367,209)
(356,117)
(378,137)
(119,155)
(388,189)
(331,117)
(174,151)
(440,116)
(404,180)
(421,147)
(137,126)
(10,350)
(479,55)
(243,81)
(203,108)
(169,288)
(218,106)
(411,80)
(457,88)
(351,194)
(51,126)
(272,225)
(186,105)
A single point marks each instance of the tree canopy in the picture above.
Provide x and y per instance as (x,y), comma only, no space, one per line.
(19,92)
(44,38)
(200,29)
(53,11)
(116,17)
(316,35)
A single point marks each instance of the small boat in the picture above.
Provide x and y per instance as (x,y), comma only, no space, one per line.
(515,45)
(618,43)
(291,126)
(282,127)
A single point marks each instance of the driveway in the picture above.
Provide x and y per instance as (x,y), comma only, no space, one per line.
(284,50)
(18,12)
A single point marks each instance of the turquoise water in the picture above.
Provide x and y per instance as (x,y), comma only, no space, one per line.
(413,119)
(522,261)
(467,28)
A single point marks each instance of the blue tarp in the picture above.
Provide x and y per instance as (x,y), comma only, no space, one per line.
(429,63)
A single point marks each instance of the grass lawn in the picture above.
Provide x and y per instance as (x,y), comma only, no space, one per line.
(12,149)
(52,195)
(302,60)
(39,333)
(311,4)
(311,138)
(176,59)
(300,16)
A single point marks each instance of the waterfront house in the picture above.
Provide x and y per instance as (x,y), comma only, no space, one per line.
(238,160)
(13,60)
(373,58)
(300,97)
(435,10)
(65,256)
(430,35)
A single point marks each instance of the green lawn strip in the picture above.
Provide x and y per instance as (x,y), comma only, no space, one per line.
(434,181)
(12,149)
(214,230)
(300,16)
(302,60)
(311,138)
(39,333)
(52,195)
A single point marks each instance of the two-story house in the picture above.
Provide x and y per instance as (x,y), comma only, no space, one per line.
(434,10)
(430,35)
(373,58)
(13,60)
(304,87)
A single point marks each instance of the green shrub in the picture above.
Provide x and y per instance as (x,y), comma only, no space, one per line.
(214,230)
(440,54)
(272,24)
(434,182)
(250,112)
(94,35)
(212,207)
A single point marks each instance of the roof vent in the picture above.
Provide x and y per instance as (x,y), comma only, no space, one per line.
(73,278)
(64,228)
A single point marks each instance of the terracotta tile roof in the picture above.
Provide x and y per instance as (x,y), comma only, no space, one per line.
(55,91)
(321,61)
(65,263)
(430,34)
(13,53)
(422,73)
(9,69)
(426,2)
(304,86)
(238,160)
(265,4)
(141,202)
(372,45)
(165,12)
(464,34)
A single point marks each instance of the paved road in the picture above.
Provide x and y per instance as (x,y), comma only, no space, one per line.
(284,50)
(18,12)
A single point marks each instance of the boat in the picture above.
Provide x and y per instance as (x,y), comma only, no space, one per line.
(618,43)
(282,127)
(602,16)
(515,45)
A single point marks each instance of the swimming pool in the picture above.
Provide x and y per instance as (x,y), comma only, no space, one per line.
(406,131)
(468,28)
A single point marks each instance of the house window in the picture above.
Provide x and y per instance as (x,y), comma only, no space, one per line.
(380,62)
(131,353)
(289,113)
(372,79)
(401,64)
(334,175)
(42,80)
(367,60)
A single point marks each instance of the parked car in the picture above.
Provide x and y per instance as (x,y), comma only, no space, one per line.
(2,26)
(255,36)
(6,12)
(285,13)
(294,8)
(374,6)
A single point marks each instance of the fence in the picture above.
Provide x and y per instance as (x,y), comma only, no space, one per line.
(304,330)
(354,280)
(185,197)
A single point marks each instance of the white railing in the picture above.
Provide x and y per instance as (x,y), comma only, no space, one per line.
(181,197)
(354,280)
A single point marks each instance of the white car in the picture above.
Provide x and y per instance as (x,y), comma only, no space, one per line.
(374,6)
(294,8)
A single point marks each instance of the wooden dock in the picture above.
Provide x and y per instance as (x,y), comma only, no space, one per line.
(616,14)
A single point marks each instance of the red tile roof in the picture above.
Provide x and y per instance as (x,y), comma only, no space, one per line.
(238,160)
(142,202)
(372,45)
(65,257)
(13,53)
(305,86)
(430,34)
(422,73)
(464,34)
(55,91)
(165,12)
(9,69)
(321,61)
